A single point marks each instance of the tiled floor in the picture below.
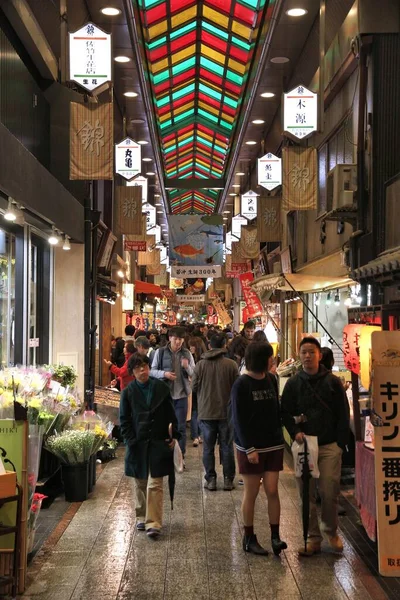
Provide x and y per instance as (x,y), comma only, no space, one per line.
(199,556)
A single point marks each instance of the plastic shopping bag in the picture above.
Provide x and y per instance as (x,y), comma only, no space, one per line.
(312,456)
(178,458)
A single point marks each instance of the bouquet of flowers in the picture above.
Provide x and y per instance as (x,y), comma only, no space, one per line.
(33,515)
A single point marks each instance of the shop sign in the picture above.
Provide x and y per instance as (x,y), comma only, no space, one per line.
(192,271)
(254,306)
(351,346)
(191,298)
(90,57)
(237,223)
(33,343)
(248,205)
(269,169)
(171,317)
(142,182)
(169,294)
(221,311)
(144,321)
(365,353)
(386,405)
(127,158)
(135,246)
(228,243)
(150,212)
(176,283)
(128,297)
(156,231)
(300,112)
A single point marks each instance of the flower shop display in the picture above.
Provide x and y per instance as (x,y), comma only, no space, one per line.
(33,516)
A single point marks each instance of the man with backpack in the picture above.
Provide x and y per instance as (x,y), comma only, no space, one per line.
(174,364)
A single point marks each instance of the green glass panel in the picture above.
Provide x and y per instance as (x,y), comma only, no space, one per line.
(182,30)
(207,115)
(234,77)
(183,91)
(149,3)
(252,3)
(203,141)
(163,101)
(186,141)
(170,149)
(211,66)
(159,42)
(160,76)
(165,124)
(184,115)
(183,66)
(226,124)
(230,102)
(239,42)
(215,173)
(210,91)
(172,173)
(214,30)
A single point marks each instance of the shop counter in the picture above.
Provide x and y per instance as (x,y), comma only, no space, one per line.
(365,488)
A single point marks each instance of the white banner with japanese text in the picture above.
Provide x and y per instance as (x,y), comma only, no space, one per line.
(202,271)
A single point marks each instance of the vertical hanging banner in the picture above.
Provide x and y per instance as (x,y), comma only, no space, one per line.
(91,141)
(143,182)
(129,210)
(147,258)
(269,219)
(221,311)
(253,303)
(300,112)
(150,212)
(248,206)
(300,178)
(156,231)
(237,223)
(90,57)
(249,246)
(127,158)
(351,346)
(365,354)
(386,403)
(196,239)
(269,168)
(154,267)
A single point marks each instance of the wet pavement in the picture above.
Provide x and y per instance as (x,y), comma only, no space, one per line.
(97,553)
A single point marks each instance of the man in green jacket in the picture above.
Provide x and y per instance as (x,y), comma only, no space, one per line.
(149,428)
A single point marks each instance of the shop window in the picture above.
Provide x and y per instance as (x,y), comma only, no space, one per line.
(7,298)
(39,301)
(338,149)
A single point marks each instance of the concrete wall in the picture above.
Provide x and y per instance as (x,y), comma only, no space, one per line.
(68,325)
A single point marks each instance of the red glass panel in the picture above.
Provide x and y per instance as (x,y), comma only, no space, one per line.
(182,77)
(244,14)
(213,41)
(224,5)
(186,40)
(156,14)
(179,4)
(182,101)
(228,110)
(161,87)
(207,76)
(209,100)
(157,54)
(238,53)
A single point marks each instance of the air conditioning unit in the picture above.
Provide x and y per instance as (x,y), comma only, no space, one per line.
(341,185)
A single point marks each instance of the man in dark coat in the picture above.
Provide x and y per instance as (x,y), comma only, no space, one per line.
(146,413)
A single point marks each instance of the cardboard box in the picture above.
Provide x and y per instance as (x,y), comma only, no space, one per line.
(8,484)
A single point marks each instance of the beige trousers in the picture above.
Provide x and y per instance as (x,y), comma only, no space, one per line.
(330,464)
(149,501)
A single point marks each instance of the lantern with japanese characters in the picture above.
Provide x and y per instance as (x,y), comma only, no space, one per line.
(351,346)
(365,353)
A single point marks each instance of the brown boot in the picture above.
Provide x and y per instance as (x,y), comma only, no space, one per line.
(312,547)
(336,543)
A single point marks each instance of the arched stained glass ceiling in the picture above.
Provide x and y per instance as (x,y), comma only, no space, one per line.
(199,56)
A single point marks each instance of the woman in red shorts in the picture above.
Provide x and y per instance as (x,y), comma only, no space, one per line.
(259,442)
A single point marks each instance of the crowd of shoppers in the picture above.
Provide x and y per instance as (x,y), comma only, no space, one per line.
(232,381)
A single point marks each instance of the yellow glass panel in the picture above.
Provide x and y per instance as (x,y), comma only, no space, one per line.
(170,143)
(185,163)
(185,53)
(177,111)
(165,117)
(216,87)
(157,29)
(241,30)
(186,15)
(205,135)
(159,66)
(212,54)
(216,17)
(183,137)
(209,108)
(202,162)
(227,117)
(237,66)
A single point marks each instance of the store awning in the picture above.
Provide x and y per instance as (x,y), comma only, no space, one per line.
(384,266)
(300,282)
(142,287)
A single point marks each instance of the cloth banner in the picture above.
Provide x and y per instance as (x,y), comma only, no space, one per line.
(249,246)
(155,267)
(162,277)
(196,239)
(145,259)
(221,311)
(138,242)
(233,268)
(129,211)
(236,256)
(300,178)
(91,140)
(269,219)
(253,303)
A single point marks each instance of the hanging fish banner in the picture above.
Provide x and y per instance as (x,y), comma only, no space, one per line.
(196,240)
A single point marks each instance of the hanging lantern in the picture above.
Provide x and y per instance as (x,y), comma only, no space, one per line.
(365,353)
(351,346)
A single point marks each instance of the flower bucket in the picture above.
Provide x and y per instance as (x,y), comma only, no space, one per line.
(76,482)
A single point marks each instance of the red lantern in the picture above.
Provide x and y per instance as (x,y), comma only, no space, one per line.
(351,346)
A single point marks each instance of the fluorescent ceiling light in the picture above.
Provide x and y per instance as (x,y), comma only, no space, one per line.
(258,121)
(240,174)
(233,194)
(142,142)
(156,195)
(10,214)
(225,219)
(267,95)
(147,159)
(131,95)
(160,212)
(251,143)
(227,212)
(296,12)
(158,204)
(236,185)
(279,60)
(122,59)
(110,11)
(150,173)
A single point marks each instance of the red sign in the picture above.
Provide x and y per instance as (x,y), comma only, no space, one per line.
(254,306)
(168,293)
(236,268)
(212,320)
(351,346)
(171,317)
(130,246)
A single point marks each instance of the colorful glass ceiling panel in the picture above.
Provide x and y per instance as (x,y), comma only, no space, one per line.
(199,56)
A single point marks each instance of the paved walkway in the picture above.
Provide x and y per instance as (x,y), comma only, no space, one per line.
(101,556)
